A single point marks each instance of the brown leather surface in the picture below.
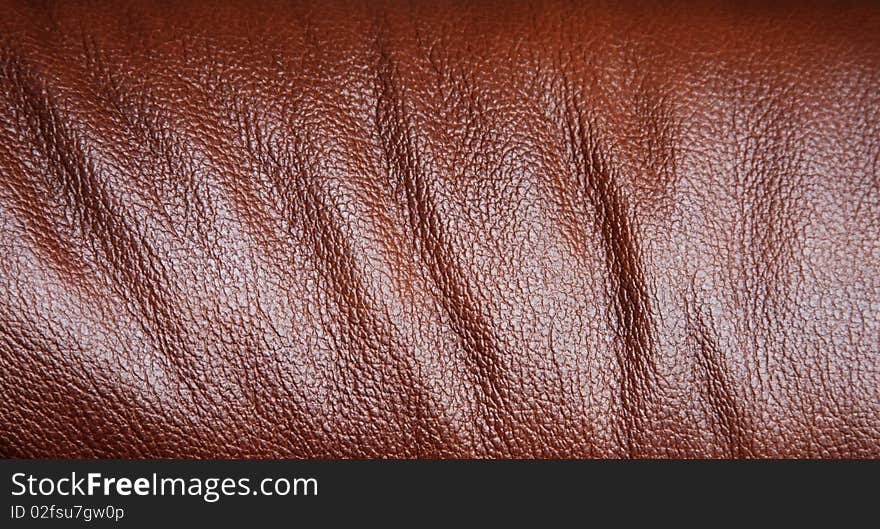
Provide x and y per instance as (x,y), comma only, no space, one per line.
(439,229)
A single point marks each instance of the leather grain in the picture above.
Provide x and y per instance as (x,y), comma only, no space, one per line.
(439,229)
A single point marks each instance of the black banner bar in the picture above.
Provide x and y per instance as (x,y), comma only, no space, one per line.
(87,493)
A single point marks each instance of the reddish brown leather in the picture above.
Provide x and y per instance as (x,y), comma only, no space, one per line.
(439,229)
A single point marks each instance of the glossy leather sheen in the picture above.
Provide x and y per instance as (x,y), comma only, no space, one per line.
(439,229)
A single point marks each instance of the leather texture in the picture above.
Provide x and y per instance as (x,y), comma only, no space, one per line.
(439,229)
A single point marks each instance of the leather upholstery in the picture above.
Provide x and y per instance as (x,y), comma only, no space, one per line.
(439,229)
